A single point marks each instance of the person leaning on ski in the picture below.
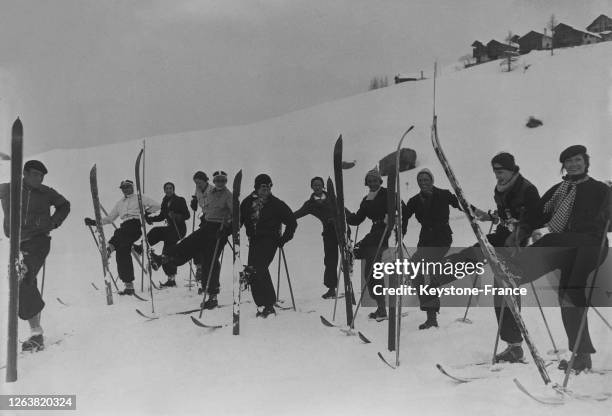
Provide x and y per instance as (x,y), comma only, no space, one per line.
(430,207)
(574,214)
(36,225)
(263,215)
(128,211)
(201,244)
(321,207)
(175,212)
(517,212)
(374,207)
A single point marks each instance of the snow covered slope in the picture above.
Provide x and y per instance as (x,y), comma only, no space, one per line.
(117,363)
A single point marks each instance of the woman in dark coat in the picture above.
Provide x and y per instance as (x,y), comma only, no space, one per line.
(573,217)
(374,207)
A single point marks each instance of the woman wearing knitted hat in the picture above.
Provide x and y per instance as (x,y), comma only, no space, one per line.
(430,207)
(374,207)
(573,217)
(263,216)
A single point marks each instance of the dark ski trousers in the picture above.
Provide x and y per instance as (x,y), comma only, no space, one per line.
(428,253)
(261,255)
(330,247)
(169,234)
(35,251)
(209,257)
(509,331)
(575,254)
(367,251)
(200,246)
(124,237)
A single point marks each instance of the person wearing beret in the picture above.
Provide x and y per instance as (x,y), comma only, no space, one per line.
(37,222)
(573,214)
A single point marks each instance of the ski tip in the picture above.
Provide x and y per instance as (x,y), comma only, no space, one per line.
(17,127)
(326,322)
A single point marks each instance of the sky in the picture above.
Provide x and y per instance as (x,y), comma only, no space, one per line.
(84,72)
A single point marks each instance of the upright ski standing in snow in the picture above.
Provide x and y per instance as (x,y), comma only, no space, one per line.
(93,183)
(143,224)
(342,228)
(15,240)
(237,265)
(499,270)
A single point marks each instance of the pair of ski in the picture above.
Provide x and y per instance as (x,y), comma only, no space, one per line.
(337,198)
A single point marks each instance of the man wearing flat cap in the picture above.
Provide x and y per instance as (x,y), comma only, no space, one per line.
(128,211)
(37,222)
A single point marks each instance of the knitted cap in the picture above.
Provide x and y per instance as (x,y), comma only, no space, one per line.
(572,151)
(505,160)
(425,171)
(36,165)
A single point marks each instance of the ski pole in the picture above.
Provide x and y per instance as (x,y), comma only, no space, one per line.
(42,286)
(288,278)
(467,308)
(537,298)
(210,270)
(278,276)
(369,275)
(586,308)
(191,272)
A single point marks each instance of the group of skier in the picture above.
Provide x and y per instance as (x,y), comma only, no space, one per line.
(569,219)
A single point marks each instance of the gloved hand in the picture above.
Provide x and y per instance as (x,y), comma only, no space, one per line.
(148,219)
(194,203)
(283,240)
(222,232)
(90,222)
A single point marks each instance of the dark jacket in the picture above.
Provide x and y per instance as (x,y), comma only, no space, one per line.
(36,203)
(375,209)
(266,222)
(177,206)
(432,212)
(591,208)
(323,209)
(520,203)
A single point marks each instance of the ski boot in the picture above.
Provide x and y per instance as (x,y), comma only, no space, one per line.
(34,343)
(211,302)
(431,321)
(380,314)
(169,283)
(129,290)
(267,310)
(582,362)
(330,294)
(512,354)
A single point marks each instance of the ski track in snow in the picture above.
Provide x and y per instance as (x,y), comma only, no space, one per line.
(116,361)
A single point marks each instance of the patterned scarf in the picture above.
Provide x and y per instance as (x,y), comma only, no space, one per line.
(258,204)
(562,203)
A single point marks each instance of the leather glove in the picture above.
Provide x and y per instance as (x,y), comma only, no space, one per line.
(148,219)
(194,203)
(90,222)
(283,240)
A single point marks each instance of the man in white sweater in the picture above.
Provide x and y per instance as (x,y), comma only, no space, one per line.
(128,211)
